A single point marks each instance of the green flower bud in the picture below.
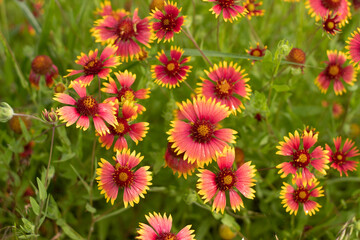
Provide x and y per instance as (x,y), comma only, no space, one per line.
(6,112)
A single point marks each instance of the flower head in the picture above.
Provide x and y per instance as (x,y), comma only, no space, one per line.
(169,21)
(125,92)
(105,9)
(172,70)
(321,8)
(42,65)
(331,24)
(353,45)
(125,127)
(227,180)
(122,175)
(160,229)
(177,163)
(339,158)
(251,7)
(227,83)
(6,112)
(300,195)
(256,52)
(126,33)
(198,134)
(84,108)
(334,72)
(231,9)
(94,65)
(302,157)
(296,55)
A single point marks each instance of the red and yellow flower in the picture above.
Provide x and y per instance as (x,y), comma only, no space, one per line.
(339,158)
(227,180)
(353,45)
(256,52)
(302,157)
(160,229)
(227,83)
(331,24)
(94,65)
(293,197)
(198,134)
(84,108)
(334,72)
(230,9)
(169,21)
(251,7)
(42,65)
(122,175)
(172,70)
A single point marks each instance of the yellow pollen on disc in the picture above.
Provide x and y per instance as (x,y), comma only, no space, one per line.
(89,102)
(339,157)
(335,1)
(129,95)
(224,86)
(302,158)
(302,194)
(126,27)
(90,64)
(120,128)
(251,7)
(123,177)
(330,25)
(228,179)
(334,70)
(203,130)
(166,22)
(170,238)
(256,53)
(170,66)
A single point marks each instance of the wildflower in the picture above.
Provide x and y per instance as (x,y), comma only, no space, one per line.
(122,175)
(251,8)
(330,25)
(105,9)
(42,65)
(198,136)
(125,92)
(124,127)
(321,8)
(301,155)
(227,84)
(300,195)
(6,112)
(216,185)
(171,71)
(143,55)
(50,116)
(177,163)
(169,22)
(339,158)
(353,45)
(296,55)
(124,32)
(256,52)
(83,108)
(94,66)
(160,229)
(231,9)
(335,72)
(337,110)
(157,4)
(59,88)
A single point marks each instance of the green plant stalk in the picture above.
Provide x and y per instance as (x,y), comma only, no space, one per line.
(188,34)
(91,229)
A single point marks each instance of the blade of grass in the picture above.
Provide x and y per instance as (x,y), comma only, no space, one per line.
(29,16)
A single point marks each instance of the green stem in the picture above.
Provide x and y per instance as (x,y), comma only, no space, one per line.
(188,34)
(91,229)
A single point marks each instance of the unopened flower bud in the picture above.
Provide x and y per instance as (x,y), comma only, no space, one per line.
(6,112)
(59,88)
(296,55)
(50,117)
(226,233)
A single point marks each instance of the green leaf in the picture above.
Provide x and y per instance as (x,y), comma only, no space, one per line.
(53,210)
(281,88)
(42,190)
(24,130)
(47,26)
(69,231)
(35,206)
(28,226)
(90,208)
(231,222)
(29,15)
(81,179)
(111,214)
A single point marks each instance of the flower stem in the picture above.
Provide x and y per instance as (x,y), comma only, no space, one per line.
(91,229)
(188,34)
(30,116)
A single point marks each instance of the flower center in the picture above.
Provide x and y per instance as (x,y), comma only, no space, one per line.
(333,70)
(123,176)
(172,67)
(166,236)
(121,128)
(338,158)
(87,106)
(126,94)
(92,67)
(250,7)
(301,195)
(125,29)
(256,53)
(223,88)
(202,131)
(226,3)
(225,179)
(41,64)
(330,25)
(331,4)
(301,159)
(168,23)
